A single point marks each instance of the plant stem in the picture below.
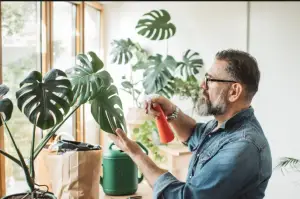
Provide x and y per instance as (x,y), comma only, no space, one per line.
(11,157)
(32,174)
(23,164)
(50,134)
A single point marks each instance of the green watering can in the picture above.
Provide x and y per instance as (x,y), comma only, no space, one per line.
(120,173)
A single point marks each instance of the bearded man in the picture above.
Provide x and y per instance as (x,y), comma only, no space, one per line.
(231,155)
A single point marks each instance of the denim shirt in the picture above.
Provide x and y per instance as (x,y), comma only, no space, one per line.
(233,162)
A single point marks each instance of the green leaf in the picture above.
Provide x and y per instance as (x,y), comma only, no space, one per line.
(39,99)
(127,84)
(122,51)
(286,162)
(191,64)
(3,90)
(155,25)
(6,108)
(107,109)
(87,78)
(142,60)
(159,73)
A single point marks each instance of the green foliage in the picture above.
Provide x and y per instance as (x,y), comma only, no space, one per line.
(91,83)
(159,72)
(143,134)
(87,78)
(107,109)
(155,25)
(191,64)
(188,89)
(288,162)
(40,100)
(14,16)
(122,51)
(161,75)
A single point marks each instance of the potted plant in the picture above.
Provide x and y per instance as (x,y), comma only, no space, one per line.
(288,162)
(50,100)
(162,74)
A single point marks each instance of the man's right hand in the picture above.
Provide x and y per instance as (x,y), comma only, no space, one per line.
(153,100)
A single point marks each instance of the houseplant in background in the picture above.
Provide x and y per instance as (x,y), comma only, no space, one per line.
(286,163)
(50,100)
(161,74)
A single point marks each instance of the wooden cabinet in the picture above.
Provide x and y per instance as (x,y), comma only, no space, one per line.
(178,159)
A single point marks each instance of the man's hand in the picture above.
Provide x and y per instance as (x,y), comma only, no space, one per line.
(153,100)
(124,143)
(150,170)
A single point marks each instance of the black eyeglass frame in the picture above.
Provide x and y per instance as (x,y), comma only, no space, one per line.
(207,79)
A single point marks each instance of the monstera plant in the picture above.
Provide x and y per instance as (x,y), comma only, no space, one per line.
(160,72)
(49,101)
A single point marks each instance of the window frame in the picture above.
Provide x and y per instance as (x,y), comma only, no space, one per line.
(47,62)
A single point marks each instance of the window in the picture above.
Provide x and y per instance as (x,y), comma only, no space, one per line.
(20,55)
(38,36)
(91,43)
(64,42)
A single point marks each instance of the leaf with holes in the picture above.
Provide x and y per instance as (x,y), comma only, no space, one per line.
(159,72)
(3,90)
(122,51)
(191,64)
(107,109)
(155,25)
(37,98)
(87,78)
(6,105)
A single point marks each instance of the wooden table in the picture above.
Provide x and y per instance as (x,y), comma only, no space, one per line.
(144,190)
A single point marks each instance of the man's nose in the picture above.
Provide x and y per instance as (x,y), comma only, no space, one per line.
(202,85)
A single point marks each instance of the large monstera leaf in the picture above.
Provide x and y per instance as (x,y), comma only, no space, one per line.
(122,51)
(191,64)
(107,109)
(159,73)
(6,105)
(41,100)
(155,25)
(87,78)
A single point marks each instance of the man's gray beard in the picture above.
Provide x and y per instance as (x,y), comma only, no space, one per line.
(206,108)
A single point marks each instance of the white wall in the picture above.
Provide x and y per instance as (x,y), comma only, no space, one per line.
(207,27)
(275,42)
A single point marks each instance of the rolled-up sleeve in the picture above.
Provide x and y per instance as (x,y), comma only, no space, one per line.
(233,167)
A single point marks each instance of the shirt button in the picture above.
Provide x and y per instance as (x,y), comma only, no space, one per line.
(198,155)
(190,176)
(209,135)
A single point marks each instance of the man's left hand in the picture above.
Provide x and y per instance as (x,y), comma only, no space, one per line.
(124,143)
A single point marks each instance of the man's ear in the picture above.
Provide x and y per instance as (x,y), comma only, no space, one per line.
(235,92)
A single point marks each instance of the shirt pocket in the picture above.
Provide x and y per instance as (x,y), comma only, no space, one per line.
(207,155)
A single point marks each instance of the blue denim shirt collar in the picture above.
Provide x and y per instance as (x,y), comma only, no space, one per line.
(237,117)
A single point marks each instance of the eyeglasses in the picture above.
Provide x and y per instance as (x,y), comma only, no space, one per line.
(207,79)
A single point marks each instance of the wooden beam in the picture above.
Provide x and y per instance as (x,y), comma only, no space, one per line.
(2,158)
(47,36)
(102,137)
(79,115)
(94,4)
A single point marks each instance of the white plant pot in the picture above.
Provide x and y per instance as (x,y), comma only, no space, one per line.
(134,118)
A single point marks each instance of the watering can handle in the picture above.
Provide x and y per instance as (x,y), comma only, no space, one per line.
(140,144)
(140,179)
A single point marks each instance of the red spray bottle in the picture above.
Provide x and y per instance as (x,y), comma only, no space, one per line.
(164,130)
